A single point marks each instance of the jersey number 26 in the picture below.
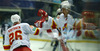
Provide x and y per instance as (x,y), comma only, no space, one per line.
(14,36)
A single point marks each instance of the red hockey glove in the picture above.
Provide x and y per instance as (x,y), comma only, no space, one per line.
(42,13)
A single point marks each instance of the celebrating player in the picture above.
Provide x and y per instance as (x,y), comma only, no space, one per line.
(62,24)
(16,37)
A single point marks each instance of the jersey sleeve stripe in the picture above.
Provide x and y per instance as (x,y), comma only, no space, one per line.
(79,25)
(54,25)
(36,32)
(6,47)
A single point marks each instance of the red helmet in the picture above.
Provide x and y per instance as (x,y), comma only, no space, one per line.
(42,13)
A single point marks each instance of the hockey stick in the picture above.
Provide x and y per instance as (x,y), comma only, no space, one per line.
(44,45)
(62,44)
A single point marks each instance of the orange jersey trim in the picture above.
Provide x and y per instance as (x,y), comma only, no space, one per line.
(54,25)
(79,25)
(36,32)
(6,47)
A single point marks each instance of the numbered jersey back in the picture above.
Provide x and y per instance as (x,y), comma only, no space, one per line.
(17,35)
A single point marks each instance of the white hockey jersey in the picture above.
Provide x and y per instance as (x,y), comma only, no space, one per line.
(65,24)
(61,23)
(18,35)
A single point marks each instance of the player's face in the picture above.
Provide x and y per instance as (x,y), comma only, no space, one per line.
(65,11)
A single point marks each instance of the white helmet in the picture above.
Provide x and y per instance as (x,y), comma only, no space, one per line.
(58,10)
(65,4)
(15,18)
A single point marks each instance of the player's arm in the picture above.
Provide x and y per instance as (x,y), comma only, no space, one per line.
(77,24)
(6,45)
(50,23)
(37,31)
(34,30)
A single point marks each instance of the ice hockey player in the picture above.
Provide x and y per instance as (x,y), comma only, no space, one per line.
(16,37)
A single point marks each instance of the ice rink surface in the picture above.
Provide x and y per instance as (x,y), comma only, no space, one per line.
(34,45)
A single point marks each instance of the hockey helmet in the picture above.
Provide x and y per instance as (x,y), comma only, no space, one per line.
(15,18)
(65,4)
